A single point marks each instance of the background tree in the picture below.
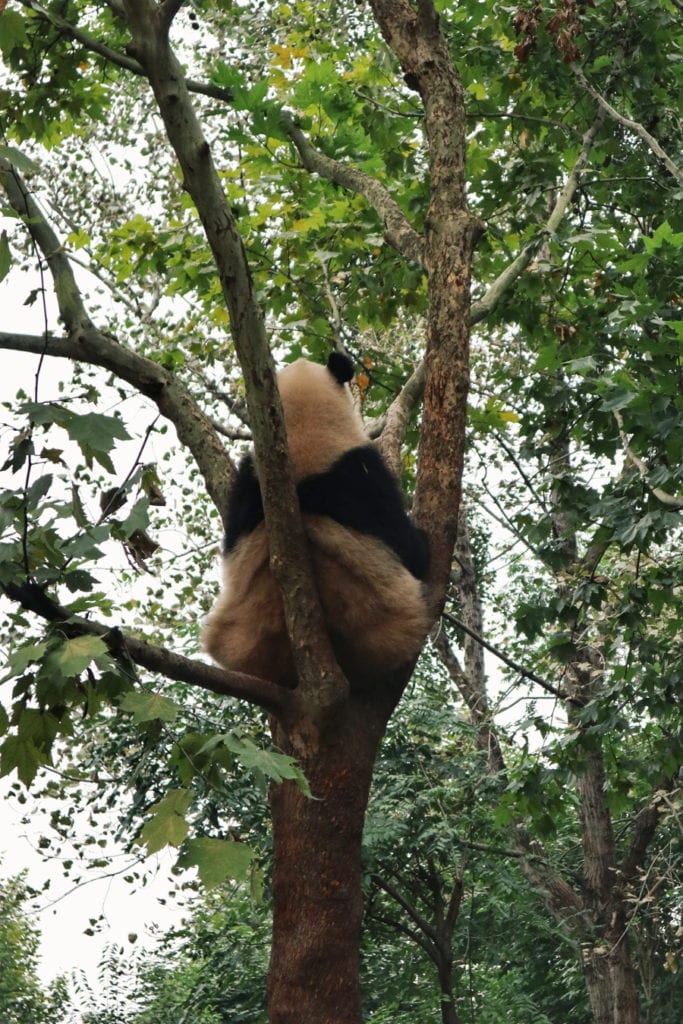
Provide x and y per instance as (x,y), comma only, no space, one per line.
(320,200)
(23,1000)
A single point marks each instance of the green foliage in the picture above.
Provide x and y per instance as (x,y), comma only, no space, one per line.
(22,998)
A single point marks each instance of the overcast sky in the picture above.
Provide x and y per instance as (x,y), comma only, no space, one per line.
(64,915)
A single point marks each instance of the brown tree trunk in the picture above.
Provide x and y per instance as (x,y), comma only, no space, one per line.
(314,967)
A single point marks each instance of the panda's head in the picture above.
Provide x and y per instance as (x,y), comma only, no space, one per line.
(320,417)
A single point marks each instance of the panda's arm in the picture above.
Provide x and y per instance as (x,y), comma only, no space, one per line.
(359,491)
(245,508)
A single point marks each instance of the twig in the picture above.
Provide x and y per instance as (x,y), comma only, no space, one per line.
(484,306)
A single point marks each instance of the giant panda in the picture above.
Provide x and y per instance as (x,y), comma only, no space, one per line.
(368,559)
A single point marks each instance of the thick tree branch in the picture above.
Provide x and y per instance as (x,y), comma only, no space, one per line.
(644,828)
(451,233)
(156,659)
(320,678)
(398,231)
(85,343)
(632,125)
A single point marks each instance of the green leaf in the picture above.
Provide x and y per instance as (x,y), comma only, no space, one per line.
(277,767)
(75,655)
(20,658)
(22,754)
(145,707)
(164,830)
(16,157)
(217,860)
(96,431)
(167,827)
(12,31)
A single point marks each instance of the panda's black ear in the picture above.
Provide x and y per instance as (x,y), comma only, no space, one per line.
(340,366)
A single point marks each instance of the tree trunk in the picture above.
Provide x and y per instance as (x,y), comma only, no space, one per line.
(317,904)
(449,1014)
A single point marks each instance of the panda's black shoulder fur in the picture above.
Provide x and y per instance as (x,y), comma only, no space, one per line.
(357,491)
(245,507)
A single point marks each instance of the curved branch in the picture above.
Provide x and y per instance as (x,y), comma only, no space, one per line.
(632,125)
(425,926)
(85,343)
(398,414)
(260,692)
(484,306)
(398,231)
(663,496)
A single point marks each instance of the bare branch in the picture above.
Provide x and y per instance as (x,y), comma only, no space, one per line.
(644,827)
(413,913)
(156,659)
(398,414)
(510,662)
(167,12)
(632,125)
(666,499)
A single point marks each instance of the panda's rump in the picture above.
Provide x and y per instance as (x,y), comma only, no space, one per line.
(245,631)
(373,607)
(371,603)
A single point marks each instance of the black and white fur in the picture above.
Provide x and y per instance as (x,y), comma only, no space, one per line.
(368,559)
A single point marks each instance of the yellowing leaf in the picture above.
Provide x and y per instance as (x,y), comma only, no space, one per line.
(285,55)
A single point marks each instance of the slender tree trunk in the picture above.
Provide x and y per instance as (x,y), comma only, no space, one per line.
(449,1014)
(314,967)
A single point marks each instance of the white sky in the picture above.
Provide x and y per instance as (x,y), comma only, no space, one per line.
(65,915)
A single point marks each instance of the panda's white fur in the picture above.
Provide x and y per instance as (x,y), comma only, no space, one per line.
(372,604)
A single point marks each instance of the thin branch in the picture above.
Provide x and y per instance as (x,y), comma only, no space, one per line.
(397,416)
(510,662)
(121,60)
(484,306)
(398,231)
(632,125)
(666,499)
(413,913)
(260,692)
